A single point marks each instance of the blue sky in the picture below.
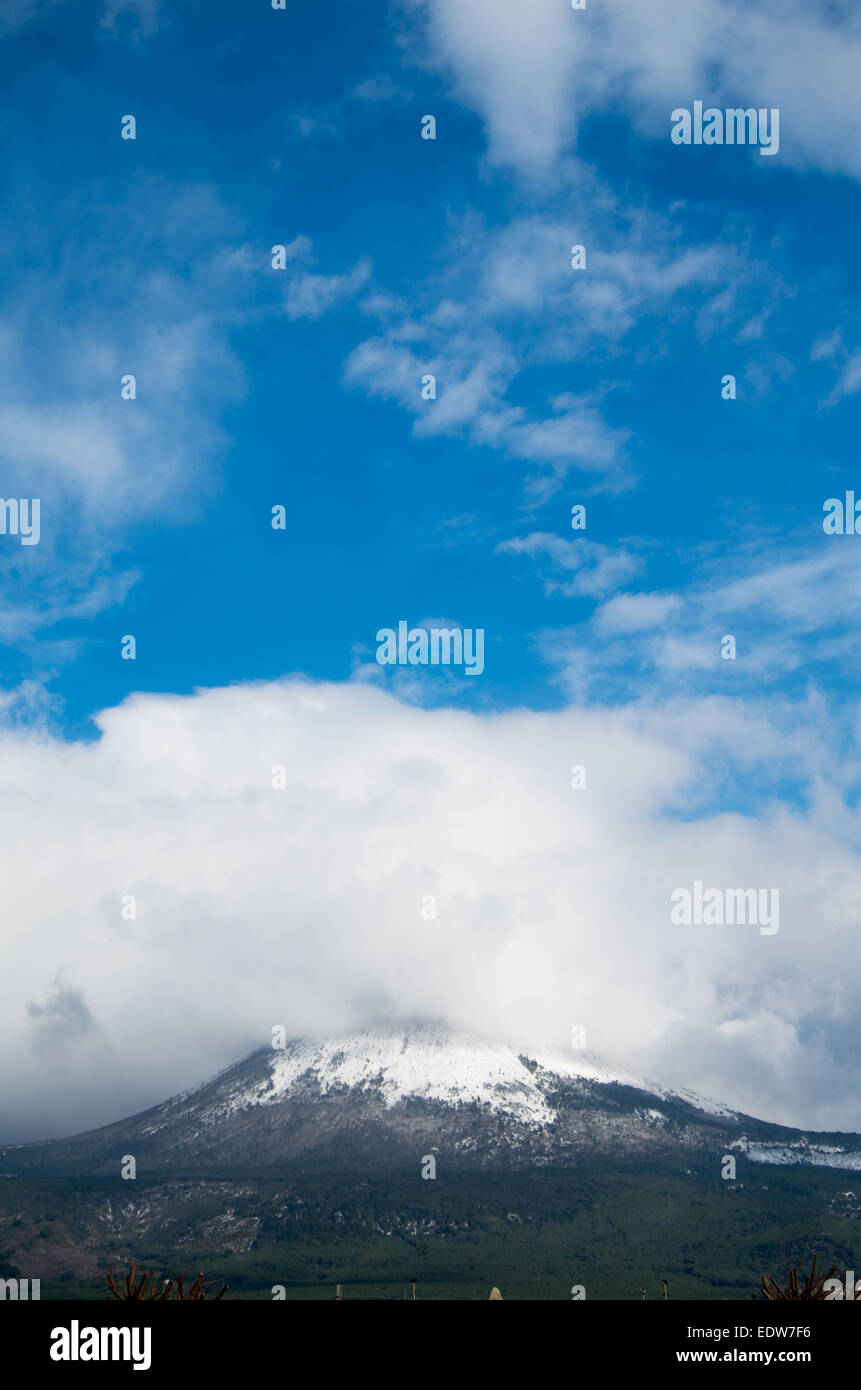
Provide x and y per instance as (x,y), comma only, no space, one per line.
(303,125)
(301,387)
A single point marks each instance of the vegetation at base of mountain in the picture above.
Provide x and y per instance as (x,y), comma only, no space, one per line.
(534,1235)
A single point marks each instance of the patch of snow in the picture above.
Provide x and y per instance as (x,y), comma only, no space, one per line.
(709,1107)
(799,1152)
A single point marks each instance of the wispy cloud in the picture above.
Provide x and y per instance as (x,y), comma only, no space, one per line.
(506,298)
(577,567)
(793,621)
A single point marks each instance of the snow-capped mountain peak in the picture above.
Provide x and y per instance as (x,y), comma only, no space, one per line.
(422,1064)
(380,1098)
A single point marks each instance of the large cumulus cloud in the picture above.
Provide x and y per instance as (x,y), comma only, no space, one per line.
(302,905)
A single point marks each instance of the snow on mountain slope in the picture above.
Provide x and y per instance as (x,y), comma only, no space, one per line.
(424,1064)
(803,1152)
(428,1064)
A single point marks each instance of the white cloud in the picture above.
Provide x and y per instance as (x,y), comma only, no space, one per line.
(309,296)
(595,570)
(258,906)
(791,618)
(99,463)
(535,72)
(827,346)
(831,348)
(626,613)
(505,299)
(512,62)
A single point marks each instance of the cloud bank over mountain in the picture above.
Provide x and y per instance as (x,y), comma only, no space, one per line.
(307,905)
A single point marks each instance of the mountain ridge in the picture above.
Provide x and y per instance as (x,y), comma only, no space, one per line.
(377,1095)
